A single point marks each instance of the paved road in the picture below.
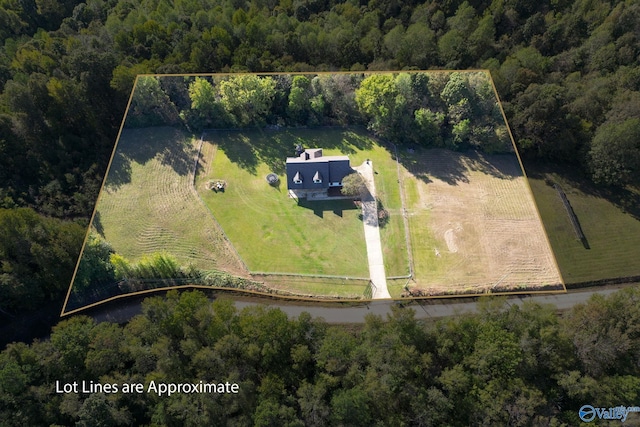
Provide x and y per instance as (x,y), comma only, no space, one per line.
(372,235)
(123,310)
(429,309)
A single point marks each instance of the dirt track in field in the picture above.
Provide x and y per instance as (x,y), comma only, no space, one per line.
(482,225)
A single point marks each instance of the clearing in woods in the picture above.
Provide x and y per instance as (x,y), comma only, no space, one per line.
(473,226)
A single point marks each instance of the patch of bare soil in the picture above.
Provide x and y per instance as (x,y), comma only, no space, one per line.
(450,238)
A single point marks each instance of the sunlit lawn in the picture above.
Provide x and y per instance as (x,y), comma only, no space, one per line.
(147,204)
(313,286)
(274,233)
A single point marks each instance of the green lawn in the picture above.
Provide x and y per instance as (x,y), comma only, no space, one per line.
(314,286)
(612,234)
(148,205)
(273,233)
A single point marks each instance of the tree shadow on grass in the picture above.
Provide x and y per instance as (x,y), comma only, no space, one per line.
(238,149)
(119,171)
(503,166)
(181,161)
(248,148)
(346,140)
(627,199)
(273,148)
(436,163)
(453,167)
(97,224)
(352,141)
(172,147)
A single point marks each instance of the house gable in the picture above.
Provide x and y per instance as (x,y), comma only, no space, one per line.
(313,171)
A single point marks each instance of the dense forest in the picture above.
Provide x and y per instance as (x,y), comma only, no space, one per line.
(507,365)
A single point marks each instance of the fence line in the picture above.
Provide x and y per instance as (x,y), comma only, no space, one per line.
(303,275)
(405,218)
(406,276)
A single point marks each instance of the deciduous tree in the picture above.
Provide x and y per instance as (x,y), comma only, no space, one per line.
(353,185)
(248,98)
(614,154)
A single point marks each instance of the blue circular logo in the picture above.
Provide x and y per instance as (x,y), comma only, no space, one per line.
(587,413)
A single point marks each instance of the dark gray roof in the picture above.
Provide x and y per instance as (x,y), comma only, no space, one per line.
(310,164)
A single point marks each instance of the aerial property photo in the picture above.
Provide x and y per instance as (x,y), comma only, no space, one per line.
(327,186)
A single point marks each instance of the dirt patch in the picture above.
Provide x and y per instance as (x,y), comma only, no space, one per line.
(450,238)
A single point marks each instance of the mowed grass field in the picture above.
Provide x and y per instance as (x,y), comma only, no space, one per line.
(315,286)
(148,203)
(473,224)
(613,235)
(276,234)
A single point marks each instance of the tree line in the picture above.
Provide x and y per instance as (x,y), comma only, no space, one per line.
(567,72)
(505,365)
(458,110)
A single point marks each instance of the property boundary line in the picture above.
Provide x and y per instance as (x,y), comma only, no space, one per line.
(226,238)
(631,281)
(314,300)
(95,207)
(524,173)
(293,297)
